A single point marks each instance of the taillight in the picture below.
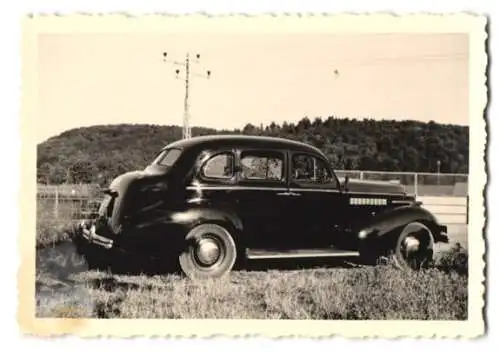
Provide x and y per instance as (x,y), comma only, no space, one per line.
(110,192)
(111,204)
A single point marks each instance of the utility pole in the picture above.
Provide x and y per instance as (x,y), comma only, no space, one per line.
(439,171)
(188,74)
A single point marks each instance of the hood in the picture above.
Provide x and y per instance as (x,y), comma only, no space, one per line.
(364,186)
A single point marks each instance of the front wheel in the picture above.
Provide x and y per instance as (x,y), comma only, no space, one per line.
(210,252)
(414,247)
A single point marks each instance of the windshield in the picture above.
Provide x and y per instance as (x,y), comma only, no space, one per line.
(167,157)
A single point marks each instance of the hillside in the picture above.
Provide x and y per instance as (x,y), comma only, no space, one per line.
(98,153)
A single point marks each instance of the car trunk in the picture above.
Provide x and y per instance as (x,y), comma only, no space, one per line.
(126,196)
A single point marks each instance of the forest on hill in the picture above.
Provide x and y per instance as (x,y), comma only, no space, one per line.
(99,153)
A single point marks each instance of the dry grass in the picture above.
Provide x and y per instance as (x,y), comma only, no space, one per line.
(51,233)
(380,292)
(370,293)
(51,229)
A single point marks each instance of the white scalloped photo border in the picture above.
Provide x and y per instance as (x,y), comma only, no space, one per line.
(474,25)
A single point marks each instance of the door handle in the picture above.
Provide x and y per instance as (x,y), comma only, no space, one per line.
(291,194)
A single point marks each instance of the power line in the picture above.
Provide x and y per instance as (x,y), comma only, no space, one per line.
(405,59)
(188,73)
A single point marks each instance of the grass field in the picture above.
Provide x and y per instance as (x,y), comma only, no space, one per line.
(65,287)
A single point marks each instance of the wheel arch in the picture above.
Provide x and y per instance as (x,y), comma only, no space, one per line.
(384,229)
(226,218)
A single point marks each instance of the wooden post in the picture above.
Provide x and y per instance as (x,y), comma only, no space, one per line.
(56,203)
(415,183)
(467,211)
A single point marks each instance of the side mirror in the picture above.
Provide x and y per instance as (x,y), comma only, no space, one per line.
(346,183)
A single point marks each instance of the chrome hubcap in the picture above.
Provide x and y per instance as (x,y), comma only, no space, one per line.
(207,251)
(411,244)
(414,254)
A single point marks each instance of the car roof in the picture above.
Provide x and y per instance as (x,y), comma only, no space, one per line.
(221,141)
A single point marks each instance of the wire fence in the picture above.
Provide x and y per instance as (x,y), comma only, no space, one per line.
(73,202)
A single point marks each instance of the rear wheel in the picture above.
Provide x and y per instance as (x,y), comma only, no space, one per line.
(210,252)
(414,247)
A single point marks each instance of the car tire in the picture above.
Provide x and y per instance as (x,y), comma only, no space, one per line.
(209,252)
(413,248)
(95,259)
(97,262)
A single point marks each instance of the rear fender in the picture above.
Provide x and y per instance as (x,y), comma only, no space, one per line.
(196,216)
(168,229)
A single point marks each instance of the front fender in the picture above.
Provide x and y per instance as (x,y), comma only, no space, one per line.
(386,223)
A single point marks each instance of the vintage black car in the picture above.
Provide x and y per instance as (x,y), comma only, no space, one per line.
(212,200)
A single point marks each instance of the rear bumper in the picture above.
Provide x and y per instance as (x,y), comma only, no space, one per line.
(90,235)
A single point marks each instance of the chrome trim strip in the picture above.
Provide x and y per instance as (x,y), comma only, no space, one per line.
(235,188)
(304,254)
(375,193)
(194,200)
(258,188)
(278,189)
(322,190)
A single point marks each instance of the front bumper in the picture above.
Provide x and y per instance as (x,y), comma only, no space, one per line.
(441,234)
(89,234)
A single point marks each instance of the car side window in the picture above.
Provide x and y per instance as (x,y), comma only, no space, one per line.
(262,166)
(310,169)
(219,166)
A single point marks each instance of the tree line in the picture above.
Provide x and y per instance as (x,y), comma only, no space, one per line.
(99,153)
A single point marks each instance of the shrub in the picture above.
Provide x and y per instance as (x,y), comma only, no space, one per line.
(454,260)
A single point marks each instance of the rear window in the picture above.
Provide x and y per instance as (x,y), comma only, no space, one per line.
(167,157)
(219,166)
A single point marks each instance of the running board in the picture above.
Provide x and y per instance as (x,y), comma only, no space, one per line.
(298,253)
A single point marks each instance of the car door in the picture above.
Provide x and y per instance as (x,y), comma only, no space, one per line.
(262,205)
(319,204)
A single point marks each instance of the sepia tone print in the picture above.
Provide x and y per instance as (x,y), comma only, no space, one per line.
(280,176)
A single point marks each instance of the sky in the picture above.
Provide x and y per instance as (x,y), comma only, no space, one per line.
(92,79)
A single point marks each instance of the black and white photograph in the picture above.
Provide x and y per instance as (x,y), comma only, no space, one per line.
(233,174)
